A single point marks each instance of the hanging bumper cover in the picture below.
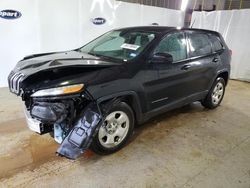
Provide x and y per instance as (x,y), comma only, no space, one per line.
(82,133)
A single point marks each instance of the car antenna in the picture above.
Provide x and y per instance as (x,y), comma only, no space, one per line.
(192,23)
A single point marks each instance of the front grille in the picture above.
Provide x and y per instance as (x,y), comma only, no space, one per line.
(14,80)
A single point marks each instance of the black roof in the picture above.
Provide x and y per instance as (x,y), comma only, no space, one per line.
(163,29)
(159,29)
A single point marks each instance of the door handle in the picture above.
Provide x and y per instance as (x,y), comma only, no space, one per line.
(185,67)
(216,59)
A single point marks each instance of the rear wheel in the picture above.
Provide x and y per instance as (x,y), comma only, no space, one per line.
(215,95)
(115,130)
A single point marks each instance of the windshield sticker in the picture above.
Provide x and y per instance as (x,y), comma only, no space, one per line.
(130,46)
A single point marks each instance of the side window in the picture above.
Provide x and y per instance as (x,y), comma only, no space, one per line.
(175,45)
(199,44)
(216,43)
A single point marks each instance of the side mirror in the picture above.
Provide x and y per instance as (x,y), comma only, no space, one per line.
(162,58)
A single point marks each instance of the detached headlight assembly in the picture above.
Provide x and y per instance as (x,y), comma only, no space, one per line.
(58,91)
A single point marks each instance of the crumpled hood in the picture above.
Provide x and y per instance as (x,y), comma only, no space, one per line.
(35,63)
(51,69)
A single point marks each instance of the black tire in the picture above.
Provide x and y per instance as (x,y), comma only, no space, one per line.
(208,102)
(96,145)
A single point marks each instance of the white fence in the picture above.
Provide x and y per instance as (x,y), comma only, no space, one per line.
(234,25)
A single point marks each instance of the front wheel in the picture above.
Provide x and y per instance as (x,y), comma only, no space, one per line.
(115,130)
(215,95)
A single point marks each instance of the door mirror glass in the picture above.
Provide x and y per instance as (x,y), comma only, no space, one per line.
(162,58)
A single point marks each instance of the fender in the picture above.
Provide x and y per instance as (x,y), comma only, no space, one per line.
(217,74)
(81,135)
(136,105)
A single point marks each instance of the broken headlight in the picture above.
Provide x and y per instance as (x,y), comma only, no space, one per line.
(58,91)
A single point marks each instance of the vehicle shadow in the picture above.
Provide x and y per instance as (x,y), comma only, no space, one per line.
(165,117)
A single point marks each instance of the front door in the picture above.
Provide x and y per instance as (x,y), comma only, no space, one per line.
(175,79)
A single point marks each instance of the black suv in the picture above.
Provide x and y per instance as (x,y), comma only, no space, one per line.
(93,96)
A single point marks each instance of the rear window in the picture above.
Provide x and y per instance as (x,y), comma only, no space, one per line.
(216,43)
(199,44)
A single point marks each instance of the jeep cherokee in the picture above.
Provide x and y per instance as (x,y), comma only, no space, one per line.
(94,95)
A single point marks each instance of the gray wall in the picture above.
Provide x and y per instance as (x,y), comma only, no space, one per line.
(236,4)
(176,4)
(172,4)
(208,4)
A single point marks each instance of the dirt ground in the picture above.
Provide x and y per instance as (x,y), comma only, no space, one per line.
(187,147)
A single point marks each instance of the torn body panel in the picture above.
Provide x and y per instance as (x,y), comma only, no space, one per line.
(73,121)
(80,136)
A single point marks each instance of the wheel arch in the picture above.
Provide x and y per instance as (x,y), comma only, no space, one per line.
(224,75)
(130,97)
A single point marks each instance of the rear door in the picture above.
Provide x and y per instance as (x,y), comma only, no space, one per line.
(203,60)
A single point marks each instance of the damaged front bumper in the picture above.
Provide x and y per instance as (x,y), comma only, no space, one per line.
(48,112)
(32,123)
(73,121)
(81,135)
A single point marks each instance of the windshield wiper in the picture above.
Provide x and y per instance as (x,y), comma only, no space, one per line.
(96,55)
(104,57)
(101,56)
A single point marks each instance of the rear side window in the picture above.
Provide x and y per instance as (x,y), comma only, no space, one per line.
(216,43)
(199,44)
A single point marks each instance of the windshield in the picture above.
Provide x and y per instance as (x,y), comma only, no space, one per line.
(121,45)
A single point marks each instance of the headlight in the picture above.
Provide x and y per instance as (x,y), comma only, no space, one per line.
(58,90)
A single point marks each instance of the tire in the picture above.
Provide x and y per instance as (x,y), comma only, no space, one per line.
(215,95)
(118,126)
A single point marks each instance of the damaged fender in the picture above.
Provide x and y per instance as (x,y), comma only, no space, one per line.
(80,137)
(82,133)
